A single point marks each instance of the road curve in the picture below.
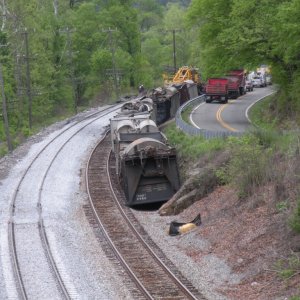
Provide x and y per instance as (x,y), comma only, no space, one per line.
(228,117)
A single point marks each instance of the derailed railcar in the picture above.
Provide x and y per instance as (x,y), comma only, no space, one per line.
(138,105)
(145,163)
(166,102)
(188,90)
(192,89)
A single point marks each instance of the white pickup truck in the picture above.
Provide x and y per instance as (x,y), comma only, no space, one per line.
(259,81)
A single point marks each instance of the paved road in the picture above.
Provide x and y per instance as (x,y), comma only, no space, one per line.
(228,117)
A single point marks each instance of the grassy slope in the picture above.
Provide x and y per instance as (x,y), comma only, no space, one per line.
(267,159)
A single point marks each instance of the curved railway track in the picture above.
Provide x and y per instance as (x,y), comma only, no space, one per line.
(150,275)
(34,228)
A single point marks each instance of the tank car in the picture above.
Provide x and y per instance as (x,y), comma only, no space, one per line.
(145,163)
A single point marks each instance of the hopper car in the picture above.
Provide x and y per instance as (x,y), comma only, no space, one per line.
(168,99)
(145,164)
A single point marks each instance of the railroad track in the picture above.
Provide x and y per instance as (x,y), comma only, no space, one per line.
(26,228)
(149,274)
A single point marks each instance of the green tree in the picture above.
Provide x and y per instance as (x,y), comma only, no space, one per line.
(150,13)
(240,33)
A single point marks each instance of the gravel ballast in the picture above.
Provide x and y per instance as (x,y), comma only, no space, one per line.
(86,271)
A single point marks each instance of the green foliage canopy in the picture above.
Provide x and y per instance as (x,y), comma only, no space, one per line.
(237,33)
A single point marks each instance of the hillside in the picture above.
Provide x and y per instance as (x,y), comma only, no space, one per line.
(247,192)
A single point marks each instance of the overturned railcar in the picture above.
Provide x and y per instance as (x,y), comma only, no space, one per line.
(166,102)
(145,163)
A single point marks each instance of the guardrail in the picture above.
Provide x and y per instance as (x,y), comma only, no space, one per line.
(191,130)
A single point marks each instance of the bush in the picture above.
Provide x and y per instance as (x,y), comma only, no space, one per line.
(3,150)
(288,267)
(249,165)
(280,141)
(282,206)
(261,114)
(192,147)
(295,298)
(294,221)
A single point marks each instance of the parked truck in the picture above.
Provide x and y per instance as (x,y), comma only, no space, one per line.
(216,89)
(236,83)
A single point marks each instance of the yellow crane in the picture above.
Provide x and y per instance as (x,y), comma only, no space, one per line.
(184,73)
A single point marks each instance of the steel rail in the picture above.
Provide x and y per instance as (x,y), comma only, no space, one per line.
(140,238)
(11,226)
(115,250)
(188,294)
(41,222)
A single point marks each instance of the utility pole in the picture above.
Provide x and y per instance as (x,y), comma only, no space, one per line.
(55,7)
(174,51)
(4,109)
(18,78)
(28,81)
(113,50)
(174,47)
(68,32)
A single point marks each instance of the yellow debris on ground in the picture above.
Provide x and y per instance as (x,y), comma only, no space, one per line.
(187,227)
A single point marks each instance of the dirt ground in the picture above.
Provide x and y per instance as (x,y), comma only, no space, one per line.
(253,237)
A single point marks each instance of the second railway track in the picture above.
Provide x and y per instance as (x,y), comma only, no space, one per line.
(152,276)
(40,277)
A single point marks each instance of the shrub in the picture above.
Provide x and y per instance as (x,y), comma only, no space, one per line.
(295,298)
(294,221)
(288,267)
(282,206)
(249,165)
(279,141)
(222,175)
(3,150)
(261,114)
(192,147)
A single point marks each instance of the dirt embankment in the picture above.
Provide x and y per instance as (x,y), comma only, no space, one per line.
(251,234)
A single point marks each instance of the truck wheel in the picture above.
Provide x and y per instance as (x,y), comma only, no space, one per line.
(208,101)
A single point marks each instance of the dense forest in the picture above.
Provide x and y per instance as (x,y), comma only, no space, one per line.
(58,57)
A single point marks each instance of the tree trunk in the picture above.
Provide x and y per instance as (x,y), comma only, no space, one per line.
(55,6)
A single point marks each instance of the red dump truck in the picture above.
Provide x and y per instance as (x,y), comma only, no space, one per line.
(236,83)
(216,89)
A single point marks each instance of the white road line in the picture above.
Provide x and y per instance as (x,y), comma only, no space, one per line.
(248,108)
(246,113)
(191,115)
